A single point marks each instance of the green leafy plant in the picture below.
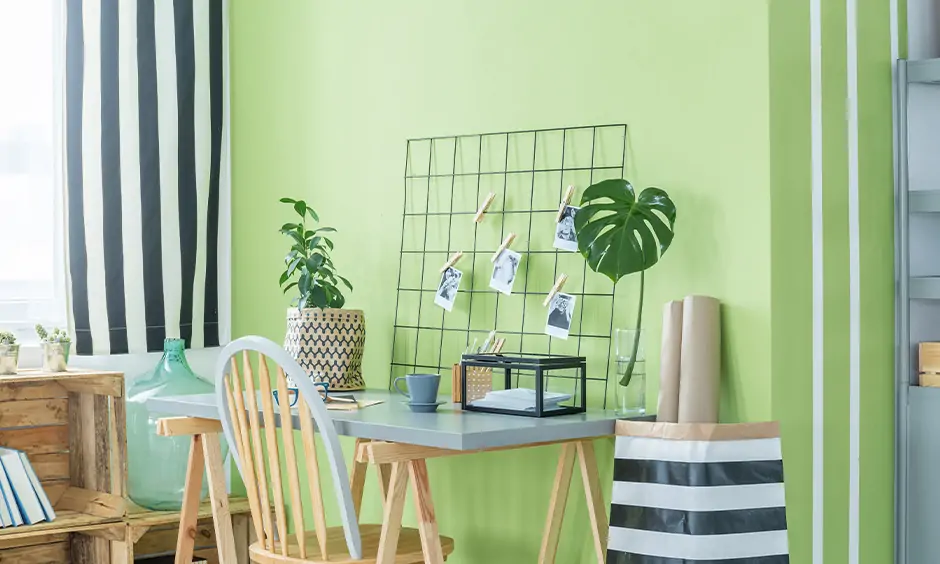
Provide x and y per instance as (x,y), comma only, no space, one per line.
(7,338)
(619,234)
(57,335)
(309,270)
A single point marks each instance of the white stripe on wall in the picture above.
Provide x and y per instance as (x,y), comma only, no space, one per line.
(644,448)
(698,547)
(130,180)
(203,148)
(817,223)
(687,498)
(169,164)
(91,172)
(851,9)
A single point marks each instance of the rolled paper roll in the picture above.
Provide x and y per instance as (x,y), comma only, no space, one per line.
(668,408)
(700,360)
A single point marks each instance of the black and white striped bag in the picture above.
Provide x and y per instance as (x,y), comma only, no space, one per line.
(698,494)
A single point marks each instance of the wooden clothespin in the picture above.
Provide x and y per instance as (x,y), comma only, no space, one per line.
(506,242)
(564,203)
(559,284)
(452,261)
(483,207)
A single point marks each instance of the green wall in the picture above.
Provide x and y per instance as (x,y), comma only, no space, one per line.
(324,99)
(716,94)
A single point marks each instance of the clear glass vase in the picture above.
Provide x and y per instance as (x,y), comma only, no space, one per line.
(157,465)
(630,396)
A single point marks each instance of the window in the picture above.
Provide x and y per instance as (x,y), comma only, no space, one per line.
(32,263)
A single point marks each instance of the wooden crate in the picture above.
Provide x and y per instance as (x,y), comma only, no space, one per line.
(153,533)
(71,425)
(928,357)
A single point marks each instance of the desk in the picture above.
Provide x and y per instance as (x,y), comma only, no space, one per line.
(391,426)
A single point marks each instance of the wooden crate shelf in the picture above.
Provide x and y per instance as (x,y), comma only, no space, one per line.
(71,425)
(65,522)
(154,533)
(139,517)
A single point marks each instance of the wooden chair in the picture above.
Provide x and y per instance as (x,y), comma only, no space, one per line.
(258,458)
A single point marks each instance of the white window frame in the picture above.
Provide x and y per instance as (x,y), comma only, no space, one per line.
(21,315)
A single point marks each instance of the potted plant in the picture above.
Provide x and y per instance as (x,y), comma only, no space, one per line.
(325,339)
(9,353)
(619,234)
(55,349)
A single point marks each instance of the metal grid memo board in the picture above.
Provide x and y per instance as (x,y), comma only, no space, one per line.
(446,179)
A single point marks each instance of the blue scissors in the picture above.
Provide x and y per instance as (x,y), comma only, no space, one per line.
(292,392)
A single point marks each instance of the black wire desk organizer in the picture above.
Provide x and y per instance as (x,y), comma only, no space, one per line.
(523,365)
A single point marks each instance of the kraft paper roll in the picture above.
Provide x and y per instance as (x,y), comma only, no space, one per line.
(668,408)
(700,360)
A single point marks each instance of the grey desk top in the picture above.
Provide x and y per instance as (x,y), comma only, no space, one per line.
(449,428)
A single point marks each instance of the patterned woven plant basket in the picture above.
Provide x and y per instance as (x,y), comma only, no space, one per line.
(328,344)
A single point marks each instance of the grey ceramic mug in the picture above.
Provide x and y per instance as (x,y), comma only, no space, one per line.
(422,388)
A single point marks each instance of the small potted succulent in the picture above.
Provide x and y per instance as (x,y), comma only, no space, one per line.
(9,353)
(55,349)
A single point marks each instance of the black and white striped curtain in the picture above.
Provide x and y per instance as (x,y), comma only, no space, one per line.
(144,152)
(706,493)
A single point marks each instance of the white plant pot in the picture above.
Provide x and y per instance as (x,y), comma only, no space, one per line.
(9,359)
(328,344)
(55,357)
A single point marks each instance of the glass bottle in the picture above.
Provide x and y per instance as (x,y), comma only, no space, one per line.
(157,465)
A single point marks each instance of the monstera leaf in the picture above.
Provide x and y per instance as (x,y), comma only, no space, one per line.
(620,234)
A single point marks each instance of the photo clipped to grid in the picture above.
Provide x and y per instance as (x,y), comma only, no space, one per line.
(443,313)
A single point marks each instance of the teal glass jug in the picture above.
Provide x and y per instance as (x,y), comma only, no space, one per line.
(157,465)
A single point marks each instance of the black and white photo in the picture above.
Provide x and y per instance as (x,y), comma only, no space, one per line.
(504,271)
(565,237)
(447,289)
(560,312)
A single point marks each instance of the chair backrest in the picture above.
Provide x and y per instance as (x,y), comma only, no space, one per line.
(250,422)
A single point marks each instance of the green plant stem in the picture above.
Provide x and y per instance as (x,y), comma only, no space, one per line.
(628,374)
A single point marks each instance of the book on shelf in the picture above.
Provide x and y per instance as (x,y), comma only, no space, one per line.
(9,514)
(24,499)
(44,500)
